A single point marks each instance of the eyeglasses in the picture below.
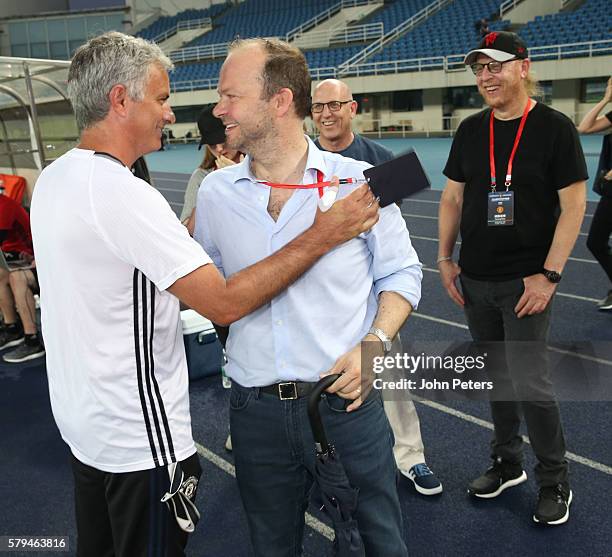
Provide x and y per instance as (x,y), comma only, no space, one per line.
(333,106)
(494,66)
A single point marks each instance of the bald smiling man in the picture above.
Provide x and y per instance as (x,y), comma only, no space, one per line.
(333,109)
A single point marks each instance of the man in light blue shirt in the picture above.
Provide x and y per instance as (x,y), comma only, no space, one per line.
(363,290)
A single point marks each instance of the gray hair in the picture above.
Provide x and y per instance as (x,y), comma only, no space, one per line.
(103,62)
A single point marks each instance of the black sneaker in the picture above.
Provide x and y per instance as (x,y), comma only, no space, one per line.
(500,476)
(606,303)
(553,505)
(10,336)
(31,349)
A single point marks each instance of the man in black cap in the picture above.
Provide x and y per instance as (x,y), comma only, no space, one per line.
(516,191)
(216,155)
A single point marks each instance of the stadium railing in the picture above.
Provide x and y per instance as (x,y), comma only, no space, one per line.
(185,25)
(454,62)
(451,62)
(316,38)
(326,14)
(392,35)
(340,35)
(331,36)
(509,5)
(195,53)
(211,83)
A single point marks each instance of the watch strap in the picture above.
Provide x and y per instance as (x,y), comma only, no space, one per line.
(384,338)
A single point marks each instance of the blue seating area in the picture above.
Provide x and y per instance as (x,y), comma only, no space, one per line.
(397,11)
(591,22)
(449,31)
(326,58)
(262,18)
(331,57)
(165,23)
(185,73)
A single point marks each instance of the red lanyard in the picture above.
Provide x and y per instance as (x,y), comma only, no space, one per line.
(508,181)
(320,184)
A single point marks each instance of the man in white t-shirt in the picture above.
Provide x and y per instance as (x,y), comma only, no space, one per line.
(113,263)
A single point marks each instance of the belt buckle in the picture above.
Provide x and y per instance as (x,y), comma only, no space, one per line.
(287,391)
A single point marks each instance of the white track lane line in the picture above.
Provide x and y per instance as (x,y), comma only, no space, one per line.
(575,259)
(438,203)
(163,179)
(458,325)
(412,215)
(562,294)
(229,468)
(173,190)
(600,467)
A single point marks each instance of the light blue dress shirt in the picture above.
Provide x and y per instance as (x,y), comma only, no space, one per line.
(327,311)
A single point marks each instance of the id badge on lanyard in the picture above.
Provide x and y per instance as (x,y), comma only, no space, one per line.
(500,206)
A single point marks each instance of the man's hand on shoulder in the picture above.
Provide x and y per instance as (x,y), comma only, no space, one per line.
(348,217)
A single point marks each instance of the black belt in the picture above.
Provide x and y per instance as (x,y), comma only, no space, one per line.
(289,390)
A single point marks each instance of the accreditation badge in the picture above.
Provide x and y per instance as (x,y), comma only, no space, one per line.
(500,208)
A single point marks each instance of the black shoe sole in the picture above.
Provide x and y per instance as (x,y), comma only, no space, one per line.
(509,483)
(561,520)
(10,360)
(12,343)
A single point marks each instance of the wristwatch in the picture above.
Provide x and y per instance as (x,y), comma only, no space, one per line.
(384,338)
(552,276)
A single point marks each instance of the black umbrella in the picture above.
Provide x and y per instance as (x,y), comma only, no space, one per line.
(338,496)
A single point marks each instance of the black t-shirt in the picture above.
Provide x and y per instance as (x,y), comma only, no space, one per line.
(549,158)
(364,149)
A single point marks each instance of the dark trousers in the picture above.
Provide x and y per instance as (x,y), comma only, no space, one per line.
(275,456)
(519,370)
(598,241)
(121,515)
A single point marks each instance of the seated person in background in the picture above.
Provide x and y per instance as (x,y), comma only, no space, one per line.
(16,286)
(23,284)
(216,155)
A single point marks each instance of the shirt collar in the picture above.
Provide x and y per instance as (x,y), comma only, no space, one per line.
(315,161)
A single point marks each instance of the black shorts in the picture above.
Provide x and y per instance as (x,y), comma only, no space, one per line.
(121,515)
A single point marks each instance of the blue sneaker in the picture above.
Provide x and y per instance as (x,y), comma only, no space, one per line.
(424,480)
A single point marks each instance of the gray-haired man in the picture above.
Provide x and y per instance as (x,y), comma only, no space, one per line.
(110,305)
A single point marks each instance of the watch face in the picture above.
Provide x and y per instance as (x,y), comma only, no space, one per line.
(553,276)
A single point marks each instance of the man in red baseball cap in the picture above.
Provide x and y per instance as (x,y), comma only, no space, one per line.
(501,46)
(516,191)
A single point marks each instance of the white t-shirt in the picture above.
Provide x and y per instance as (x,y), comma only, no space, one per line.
(107,246)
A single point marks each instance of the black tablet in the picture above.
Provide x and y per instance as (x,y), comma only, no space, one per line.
(397,179)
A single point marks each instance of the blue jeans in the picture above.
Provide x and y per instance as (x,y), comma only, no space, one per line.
(274,454)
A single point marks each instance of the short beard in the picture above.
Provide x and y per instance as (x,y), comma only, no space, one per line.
(256,141)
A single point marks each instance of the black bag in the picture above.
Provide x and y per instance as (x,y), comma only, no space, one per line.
(601,186)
